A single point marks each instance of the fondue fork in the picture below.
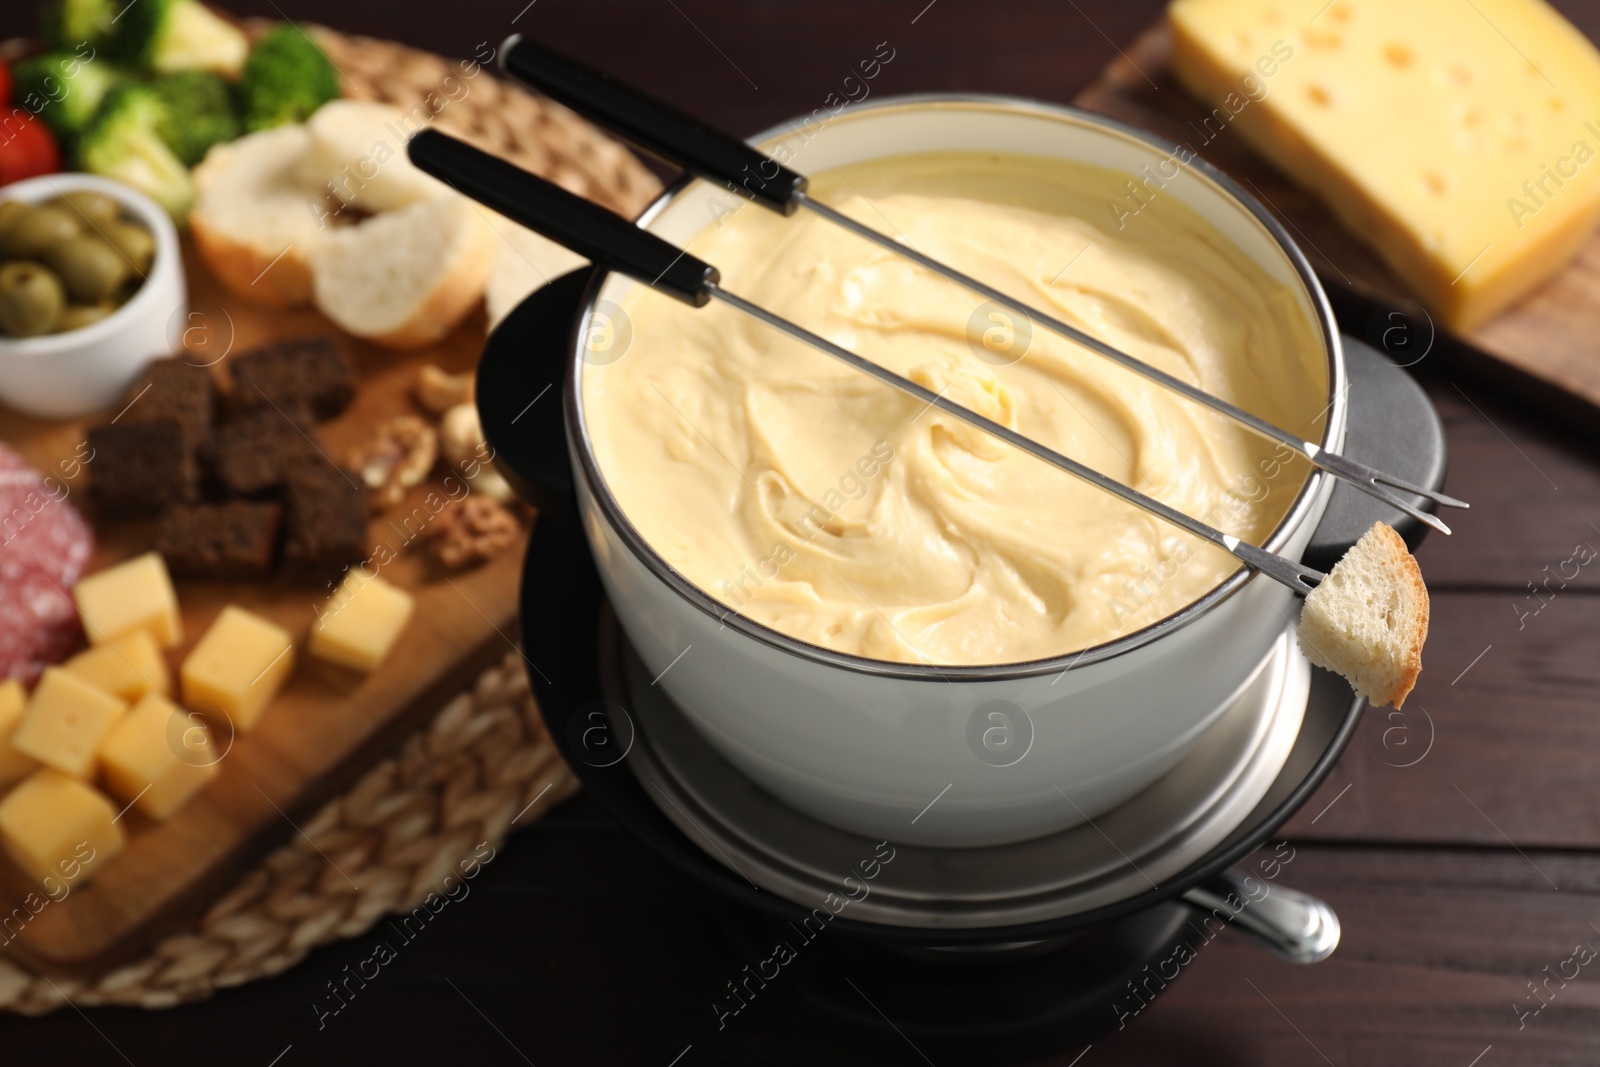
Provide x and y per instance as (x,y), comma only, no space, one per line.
(712,155)
(611,241)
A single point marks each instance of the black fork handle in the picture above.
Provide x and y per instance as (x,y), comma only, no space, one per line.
(663,131)
(605,238)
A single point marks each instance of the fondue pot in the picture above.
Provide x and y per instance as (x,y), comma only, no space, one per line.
(901,751)
(997,899)
(993,954)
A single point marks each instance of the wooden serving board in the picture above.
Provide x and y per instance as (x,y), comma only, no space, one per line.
(328,723)
(1546,341)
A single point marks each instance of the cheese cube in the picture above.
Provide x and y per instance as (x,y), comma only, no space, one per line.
(1459,141)
(127,668)
(65,722)
(14,766)
(133,595)
(361,622)
(57,828)
(237,667)
(156,759)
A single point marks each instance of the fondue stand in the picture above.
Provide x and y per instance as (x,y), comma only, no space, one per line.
(991,954)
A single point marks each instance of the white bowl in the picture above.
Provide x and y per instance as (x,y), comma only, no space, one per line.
(65,375)
(883,749)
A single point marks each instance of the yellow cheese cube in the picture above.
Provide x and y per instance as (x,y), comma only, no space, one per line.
(127,668)
(237,667)
(65,722)
(56,827)
(14,766)
(1459,141)
(361,622)
(133,595)
(156,759)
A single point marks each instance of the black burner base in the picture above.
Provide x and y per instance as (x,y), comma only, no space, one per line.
(1000,1005)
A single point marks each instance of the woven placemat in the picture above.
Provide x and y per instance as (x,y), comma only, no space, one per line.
(484,765)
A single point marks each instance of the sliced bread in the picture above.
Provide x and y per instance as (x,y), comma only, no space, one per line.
(255,219)
(523,261)
(405,278)
(358,157)
(1369,618)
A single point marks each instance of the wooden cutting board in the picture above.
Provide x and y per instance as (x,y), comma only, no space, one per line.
(1546,341)
(328,724)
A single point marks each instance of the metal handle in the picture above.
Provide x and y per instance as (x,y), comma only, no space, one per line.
(601,236)
(1292,925)
(664,131)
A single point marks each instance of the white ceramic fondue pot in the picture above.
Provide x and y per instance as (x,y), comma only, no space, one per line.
(941,755)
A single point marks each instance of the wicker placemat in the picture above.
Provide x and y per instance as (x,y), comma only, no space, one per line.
(484,766)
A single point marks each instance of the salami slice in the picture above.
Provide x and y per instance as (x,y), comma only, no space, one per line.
(39,625)
(45,546)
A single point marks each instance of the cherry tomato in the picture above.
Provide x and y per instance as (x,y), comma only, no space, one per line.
(5,83)
(27,149)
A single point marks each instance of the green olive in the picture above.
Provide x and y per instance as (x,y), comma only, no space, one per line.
(37,230)
(31,298)
(89,267)
(77,316)
(98,208)
(134,241)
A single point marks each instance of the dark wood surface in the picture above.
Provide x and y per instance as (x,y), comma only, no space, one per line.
(1458,878)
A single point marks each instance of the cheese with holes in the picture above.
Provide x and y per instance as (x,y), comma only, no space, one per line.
(237,667)
(65,722)
(1458,140)
(361,622)
(58,829)
(14,766)
(136,594)
(157,757)
(127,668)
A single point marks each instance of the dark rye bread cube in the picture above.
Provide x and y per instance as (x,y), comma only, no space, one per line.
(326,516)
(251,456)
(181,392)
(139,469)
(237,540)
(308,370)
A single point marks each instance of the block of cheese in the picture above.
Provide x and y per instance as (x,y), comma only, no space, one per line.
(14,766)
(360,623)
(1458,140)
(58,829)
(136,594)
(128,667)
(65,722)
(156,758)
(237,667)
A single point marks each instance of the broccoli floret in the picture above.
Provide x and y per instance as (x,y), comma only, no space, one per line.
(173,35)
(124,142)
(285,79)
(63,89)
(66,24)
(199,113)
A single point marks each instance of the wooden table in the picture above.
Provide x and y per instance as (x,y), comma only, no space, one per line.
(1459,878)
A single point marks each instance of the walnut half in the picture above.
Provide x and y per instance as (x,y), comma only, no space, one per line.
(472,531)
(398,457)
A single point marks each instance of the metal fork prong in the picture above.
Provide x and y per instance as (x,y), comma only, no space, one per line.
(1396,501)
(1434,495)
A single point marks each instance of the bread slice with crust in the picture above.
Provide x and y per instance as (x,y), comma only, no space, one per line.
(405,278)
(1369,618)
(255,218)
